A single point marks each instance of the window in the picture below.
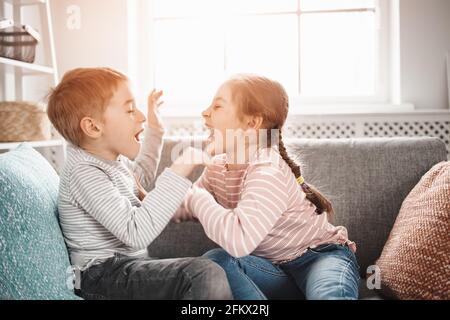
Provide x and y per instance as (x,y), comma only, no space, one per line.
(318,49)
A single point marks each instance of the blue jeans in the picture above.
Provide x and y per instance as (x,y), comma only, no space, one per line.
(327,272)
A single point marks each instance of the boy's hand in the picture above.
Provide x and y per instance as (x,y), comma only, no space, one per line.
(189,160)
(154,118)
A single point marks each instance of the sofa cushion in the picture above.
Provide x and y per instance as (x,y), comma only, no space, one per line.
(415,262)
(33,255)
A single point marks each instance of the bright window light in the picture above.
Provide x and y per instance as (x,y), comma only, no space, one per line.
(315,48)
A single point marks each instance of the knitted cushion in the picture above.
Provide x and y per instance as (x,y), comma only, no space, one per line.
(33,255)
(415,262)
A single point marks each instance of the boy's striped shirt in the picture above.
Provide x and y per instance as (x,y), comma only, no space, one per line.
(99,210)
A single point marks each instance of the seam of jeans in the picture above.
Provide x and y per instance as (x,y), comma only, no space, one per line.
(235,261)
(279,274)
(344,272)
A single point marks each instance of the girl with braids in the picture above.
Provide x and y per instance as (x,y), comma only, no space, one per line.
(272,226)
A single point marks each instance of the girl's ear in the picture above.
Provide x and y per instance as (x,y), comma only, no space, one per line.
(91,127)
(255,122)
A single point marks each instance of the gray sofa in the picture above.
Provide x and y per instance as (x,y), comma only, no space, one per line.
(366,179)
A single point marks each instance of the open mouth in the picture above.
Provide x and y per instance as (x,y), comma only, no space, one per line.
(138,136)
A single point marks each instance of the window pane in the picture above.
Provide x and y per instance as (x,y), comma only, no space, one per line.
(180,8)
(189,59)
(266,45)
(338,54)
(336,4)
(261,6)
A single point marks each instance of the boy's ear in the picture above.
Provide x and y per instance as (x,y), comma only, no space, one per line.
(255,122)
(91,128)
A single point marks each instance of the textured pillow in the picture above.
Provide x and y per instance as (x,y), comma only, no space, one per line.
(33,255)
(415,262)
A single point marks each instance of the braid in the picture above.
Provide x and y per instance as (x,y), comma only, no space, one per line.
(291,163)
(321,203)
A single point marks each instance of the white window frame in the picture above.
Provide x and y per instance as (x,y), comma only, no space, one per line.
(382,99)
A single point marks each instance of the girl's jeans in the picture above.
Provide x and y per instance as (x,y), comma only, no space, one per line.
(326,272)
(124,278)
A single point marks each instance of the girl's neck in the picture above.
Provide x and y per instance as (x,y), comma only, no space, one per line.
(236,159)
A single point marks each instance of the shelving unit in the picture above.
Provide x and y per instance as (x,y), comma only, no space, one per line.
(53,150)
(27,66)
(34,144)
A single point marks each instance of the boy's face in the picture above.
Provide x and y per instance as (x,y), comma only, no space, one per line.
(122,124)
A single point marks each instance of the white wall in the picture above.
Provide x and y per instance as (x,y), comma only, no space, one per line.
(424,42)
(105,38)
(101,39)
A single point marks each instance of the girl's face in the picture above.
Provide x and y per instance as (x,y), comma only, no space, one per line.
(222,119)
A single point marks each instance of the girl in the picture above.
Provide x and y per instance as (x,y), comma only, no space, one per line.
(272,226)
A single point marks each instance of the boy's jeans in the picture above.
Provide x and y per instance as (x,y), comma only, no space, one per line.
(123,277)
(329,271)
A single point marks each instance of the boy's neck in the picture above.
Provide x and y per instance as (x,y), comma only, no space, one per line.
(100,152)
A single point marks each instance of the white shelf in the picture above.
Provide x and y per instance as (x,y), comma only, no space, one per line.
(34,144)
(25,65)
(25,2)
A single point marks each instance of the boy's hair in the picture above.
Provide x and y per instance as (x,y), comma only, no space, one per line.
(83,92)
(257,95)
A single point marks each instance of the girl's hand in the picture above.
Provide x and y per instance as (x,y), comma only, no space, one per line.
(154,118)
(182,215)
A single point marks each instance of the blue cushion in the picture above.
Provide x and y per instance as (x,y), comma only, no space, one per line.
(33,255)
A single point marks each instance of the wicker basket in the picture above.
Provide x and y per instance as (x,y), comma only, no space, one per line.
(18,43)
(23,121)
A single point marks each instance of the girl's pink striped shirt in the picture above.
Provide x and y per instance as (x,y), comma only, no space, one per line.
(259,209)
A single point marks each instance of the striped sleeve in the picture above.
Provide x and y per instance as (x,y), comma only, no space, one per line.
(240,231)
(183,213)
(137,227)
(146,163)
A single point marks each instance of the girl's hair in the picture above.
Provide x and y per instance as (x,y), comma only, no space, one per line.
(260,96)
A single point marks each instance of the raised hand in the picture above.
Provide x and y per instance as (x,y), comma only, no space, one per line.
(154,118)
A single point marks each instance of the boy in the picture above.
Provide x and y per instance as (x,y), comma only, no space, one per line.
(107,217)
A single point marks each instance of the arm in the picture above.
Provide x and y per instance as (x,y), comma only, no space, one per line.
(146,163)
(183,214)
(136,227)
(240,231)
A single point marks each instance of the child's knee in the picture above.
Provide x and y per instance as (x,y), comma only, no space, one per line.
(219,256)
(212,280)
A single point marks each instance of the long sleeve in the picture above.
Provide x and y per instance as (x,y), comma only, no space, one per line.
(146,163)
(240,230)
(136,227)
(183,213)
